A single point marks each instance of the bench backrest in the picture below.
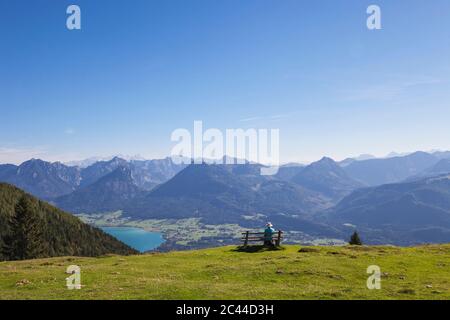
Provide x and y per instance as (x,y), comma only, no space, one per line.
(260,236)
(276,234)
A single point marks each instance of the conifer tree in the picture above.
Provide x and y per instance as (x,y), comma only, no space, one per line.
(355,240)
(25,239)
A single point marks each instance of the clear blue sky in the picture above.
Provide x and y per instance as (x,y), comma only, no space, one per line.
(140,69)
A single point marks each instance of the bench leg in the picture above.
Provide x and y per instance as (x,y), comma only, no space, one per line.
(279,238)
(246,240)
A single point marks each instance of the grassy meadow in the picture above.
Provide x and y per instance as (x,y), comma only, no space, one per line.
(225,273)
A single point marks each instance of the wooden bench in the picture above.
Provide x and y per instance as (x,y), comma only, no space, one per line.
(248,236)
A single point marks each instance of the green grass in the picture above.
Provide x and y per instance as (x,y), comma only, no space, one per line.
(225,273)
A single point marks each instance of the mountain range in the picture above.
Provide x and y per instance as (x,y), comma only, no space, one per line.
(318,199)
(43,179)
(374,172)
(49,181)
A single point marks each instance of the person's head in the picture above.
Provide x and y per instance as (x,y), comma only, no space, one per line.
(269,225)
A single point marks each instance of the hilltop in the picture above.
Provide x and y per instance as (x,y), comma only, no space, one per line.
(224,273)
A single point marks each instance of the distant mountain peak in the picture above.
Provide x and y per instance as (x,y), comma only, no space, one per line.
(34,161)
(326,160)
(117,159)
(327,177)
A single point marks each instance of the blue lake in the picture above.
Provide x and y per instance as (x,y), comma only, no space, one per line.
(136,238)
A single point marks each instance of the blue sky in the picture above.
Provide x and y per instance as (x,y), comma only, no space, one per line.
(140,69)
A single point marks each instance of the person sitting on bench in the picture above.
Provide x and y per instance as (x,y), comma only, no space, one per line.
(268,234)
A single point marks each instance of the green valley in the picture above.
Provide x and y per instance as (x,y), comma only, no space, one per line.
(192,233)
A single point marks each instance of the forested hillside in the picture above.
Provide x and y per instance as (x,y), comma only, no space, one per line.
(25,219)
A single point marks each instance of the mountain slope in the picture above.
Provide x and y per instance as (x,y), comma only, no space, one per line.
(62,234)
(100,169)
(440,168)
(287,172)
(441,154)
(326,177)
(109,193)
(43,179)
(443,166)
(402,213)
(6,170)
(391,170)
(149,173)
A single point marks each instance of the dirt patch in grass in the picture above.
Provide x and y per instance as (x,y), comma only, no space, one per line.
(308,249)
(361,248)
(407,291)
